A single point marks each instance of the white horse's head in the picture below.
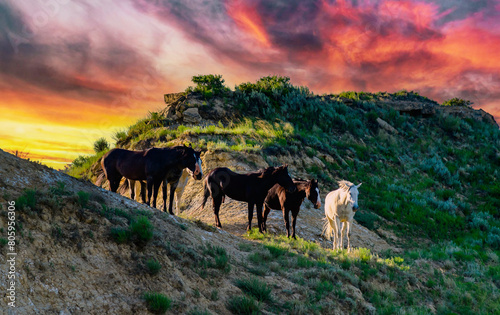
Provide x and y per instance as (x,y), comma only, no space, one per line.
(351,192)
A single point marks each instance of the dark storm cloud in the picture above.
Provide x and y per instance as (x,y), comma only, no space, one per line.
(64,68)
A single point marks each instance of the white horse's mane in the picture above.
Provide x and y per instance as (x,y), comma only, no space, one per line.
(345,184)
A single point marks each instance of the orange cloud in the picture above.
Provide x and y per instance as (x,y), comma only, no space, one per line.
(247,18)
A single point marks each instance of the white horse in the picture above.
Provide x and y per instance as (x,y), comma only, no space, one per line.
(340,207)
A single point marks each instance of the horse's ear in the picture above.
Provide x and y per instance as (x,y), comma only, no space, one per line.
(285,165)
(357,186)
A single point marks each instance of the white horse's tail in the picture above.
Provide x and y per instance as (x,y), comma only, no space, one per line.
(327,229)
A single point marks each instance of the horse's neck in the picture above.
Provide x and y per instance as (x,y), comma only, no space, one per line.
(301,189)
(342,197)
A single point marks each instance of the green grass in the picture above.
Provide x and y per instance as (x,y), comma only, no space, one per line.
(83,198)
(28,200)
(120,235)
(220,257)
(255,288)
(157,302)
(243,305)
(142,229)
(153,266)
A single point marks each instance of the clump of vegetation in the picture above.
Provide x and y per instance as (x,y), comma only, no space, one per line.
(457,102)
(83,198)
(120,235)
(101,145)
(255,288)
(153,266)
(59,189)
(209,85)
(142,229)
(157,302)
(220,257)
(28,199)
(242,305)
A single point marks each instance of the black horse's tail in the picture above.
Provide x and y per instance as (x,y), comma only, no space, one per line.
(206,193)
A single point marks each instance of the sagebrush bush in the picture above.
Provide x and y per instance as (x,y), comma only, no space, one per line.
(479,220)
(254,287)
(142,228)
(157,302)
(100,145)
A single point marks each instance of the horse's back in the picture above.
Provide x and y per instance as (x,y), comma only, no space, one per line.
(234,185)
(128,163)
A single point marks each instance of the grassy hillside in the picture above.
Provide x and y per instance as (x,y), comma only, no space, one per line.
(430,176)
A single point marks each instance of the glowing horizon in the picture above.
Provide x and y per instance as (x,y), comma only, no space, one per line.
(72,72)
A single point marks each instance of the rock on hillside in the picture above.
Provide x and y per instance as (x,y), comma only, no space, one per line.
(67,261)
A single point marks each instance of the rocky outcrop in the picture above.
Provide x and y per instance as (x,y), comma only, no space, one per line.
(413,108)
(466,112)
(193,109)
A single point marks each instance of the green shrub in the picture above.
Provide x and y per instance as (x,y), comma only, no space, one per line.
(59,189)
(142,228)
(209,85)
(493,238)
(120,235)
(3,242)
(28,199)
(120,137)
(153,266)
(254,287)
(83,198)
(457,102)
(322,288)
(221,258)
(242,305)
(100,145)
(157,302)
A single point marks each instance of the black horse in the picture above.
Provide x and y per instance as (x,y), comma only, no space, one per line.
(251,188)
(153,166)
(280,199)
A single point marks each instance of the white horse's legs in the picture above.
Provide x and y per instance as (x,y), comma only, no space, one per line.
(333,226)
(180,190)
(178,194)
(338,241)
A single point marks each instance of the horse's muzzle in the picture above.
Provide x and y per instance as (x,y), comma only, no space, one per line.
(317,205)
(355,208)
(198,176)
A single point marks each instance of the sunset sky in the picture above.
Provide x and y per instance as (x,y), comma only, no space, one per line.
(74,71)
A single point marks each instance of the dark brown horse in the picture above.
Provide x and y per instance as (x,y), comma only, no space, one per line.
(280,199)
(251,188)
(154,166)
